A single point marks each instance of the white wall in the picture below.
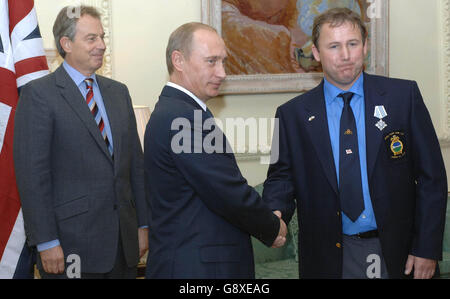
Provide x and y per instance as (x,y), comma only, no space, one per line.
(416,53)
(140,30)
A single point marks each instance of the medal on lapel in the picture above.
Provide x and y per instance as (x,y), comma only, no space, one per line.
(380,113)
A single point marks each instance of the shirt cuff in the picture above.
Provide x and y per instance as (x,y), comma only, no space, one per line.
(47,245)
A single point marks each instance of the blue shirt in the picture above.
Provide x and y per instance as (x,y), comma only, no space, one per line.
(334,105)
(79,78)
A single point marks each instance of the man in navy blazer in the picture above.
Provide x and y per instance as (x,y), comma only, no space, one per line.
(202,211)
(399,230)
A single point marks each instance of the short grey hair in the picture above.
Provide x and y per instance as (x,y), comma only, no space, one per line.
(181,40)
(66,23)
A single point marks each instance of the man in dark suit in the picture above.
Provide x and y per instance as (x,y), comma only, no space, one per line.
(79,163)
(202,211)
(360,156)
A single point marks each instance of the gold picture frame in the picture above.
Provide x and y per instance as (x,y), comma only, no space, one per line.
(298,82)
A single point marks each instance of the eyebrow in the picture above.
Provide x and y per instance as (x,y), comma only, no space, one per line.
(216,57)
(348,41)
(95,35)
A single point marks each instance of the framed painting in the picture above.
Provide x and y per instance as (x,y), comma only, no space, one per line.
(269,41)
(104,7)
(444,8)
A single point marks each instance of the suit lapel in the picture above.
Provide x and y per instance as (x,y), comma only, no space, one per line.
(171,92)
(74,98)
(317,126)
(113,115)
(373,96)
(319,132)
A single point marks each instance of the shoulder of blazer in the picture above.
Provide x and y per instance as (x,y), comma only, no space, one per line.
(47,81)
(382,84)
(61,78)
(108,82)
(303,99)
(177,99)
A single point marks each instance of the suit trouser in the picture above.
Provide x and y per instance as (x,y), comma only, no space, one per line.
(119,271)
(363,258)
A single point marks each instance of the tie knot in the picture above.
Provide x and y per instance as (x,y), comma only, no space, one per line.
(347,96)
(88,82)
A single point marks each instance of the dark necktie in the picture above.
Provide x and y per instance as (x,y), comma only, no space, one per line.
(350,187)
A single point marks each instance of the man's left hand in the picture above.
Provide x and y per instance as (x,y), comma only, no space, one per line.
(143,241)
(423,268)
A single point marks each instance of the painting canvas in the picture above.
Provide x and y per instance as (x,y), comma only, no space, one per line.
(269,41)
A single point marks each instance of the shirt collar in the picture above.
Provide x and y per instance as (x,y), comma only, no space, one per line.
(181,88)
(331,91)
(76,76)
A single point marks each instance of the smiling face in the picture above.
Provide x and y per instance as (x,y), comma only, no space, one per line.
(203,71)
(85,52)
(342,51)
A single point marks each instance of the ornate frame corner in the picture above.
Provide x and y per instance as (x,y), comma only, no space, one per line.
(293,82)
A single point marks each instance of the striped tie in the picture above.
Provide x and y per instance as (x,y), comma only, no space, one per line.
(96,112)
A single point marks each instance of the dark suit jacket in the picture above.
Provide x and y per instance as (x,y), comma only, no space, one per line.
(202,211)
(70,187)
(408,191)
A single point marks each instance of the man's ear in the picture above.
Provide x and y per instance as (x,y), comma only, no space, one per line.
(178,60)
(366,47)
(66,44)
(315,52)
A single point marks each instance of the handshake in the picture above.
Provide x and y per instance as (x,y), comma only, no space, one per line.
(281,238)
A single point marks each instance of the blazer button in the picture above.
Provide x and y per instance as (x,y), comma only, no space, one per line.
(338,245)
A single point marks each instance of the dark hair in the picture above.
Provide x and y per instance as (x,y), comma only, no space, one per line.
(336,17)
(66,23)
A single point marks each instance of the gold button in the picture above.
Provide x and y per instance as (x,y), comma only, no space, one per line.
(338,245)
(338,213)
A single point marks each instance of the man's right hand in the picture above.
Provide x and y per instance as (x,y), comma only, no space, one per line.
(53,260)
(281,238)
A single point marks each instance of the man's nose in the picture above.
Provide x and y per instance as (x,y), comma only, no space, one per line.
(220,72)
(101,44)
(345,53)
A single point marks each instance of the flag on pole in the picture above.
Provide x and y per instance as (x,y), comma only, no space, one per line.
(22,59)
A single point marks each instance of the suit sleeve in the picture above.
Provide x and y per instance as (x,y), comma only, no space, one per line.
(217,180)
(33,130)
(137,168)
(278,188)
(431,182)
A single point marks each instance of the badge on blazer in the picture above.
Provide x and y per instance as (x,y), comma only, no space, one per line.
(395,141)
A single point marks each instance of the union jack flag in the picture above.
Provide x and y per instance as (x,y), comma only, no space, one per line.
(22,59)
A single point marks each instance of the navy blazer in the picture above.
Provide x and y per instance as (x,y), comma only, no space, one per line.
(408,187)
(202,211)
